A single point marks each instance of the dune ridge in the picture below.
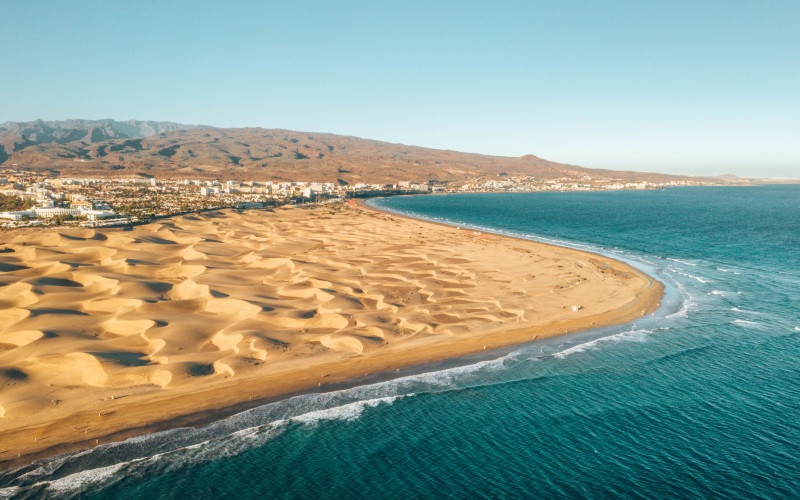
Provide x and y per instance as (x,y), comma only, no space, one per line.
(103,332)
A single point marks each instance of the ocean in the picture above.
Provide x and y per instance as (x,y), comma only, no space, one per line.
(699,400)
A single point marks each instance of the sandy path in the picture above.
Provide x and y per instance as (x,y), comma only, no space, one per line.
(105,334)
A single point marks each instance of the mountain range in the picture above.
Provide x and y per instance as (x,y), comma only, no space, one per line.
(103,148)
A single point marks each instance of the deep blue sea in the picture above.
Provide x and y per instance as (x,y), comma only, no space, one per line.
(700,400)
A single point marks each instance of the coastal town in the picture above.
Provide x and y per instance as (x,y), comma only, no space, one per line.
(33,199)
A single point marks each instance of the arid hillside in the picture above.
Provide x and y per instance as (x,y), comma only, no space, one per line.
(168,150)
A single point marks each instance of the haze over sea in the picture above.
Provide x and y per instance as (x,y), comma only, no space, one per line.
(699,400)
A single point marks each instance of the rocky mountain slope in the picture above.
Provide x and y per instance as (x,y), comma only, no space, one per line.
(170,150)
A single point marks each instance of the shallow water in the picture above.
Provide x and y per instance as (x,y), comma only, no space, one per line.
(700,400)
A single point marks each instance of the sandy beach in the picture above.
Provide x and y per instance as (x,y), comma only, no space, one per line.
(105,334)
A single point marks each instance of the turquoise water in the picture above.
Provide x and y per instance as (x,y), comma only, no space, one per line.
(700,400)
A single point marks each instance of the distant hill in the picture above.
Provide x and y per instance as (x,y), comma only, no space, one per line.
(15,136)
(171,150)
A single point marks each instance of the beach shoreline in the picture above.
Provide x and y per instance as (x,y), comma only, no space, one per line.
(194,405)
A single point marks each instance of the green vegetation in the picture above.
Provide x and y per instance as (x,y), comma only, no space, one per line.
(14,203)
(59,220)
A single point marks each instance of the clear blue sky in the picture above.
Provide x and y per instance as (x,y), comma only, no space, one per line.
(705,87)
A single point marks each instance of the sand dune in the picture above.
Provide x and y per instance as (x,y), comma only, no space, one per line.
(19,338)
(102,331)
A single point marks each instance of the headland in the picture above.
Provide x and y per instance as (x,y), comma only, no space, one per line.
(110,333)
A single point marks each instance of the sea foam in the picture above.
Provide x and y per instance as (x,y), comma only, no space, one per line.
(638,335)
(177,448)
(746,323)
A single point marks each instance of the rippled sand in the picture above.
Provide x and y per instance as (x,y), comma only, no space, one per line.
(105,334)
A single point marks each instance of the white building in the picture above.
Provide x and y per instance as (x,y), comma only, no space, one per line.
(99,214)
(48,212)
(90,210)
(16,216)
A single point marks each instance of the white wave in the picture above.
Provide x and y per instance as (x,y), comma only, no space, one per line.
(689,301)
(447,378)
(226,446)
(797,328)
(53,464)
(81,480)
(698,278)
(680,313)
(246,430)
(345,412)
(693,264)
(746,311)
(747,323)
(10,492)
(718,292)
(631,335)
(255,427)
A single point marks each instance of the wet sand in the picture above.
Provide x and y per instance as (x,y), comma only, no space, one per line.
(106,334)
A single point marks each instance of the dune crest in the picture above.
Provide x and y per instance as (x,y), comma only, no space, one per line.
(12,315)
(112,329)
(342,343)
(70,369)
(125,327)
(161,378)
(112,305)
(188,289)
(20,338)
(18,295)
